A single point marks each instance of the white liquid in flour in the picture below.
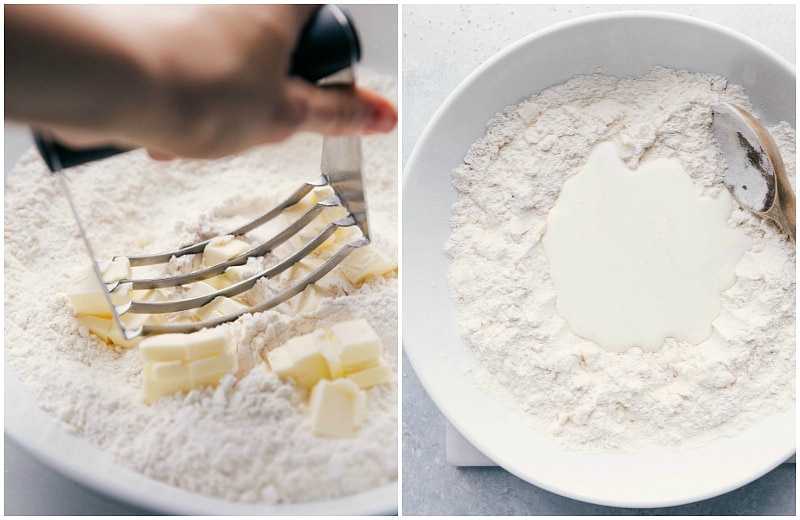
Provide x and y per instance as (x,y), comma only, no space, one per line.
(637,256)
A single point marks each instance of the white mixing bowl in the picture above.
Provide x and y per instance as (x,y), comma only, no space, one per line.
(622,45)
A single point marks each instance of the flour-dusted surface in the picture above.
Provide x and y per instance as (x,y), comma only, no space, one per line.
(591,399)
(248,440)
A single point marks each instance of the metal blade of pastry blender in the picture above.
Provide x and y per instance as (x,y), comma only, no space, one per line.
(341,164)
(59,171)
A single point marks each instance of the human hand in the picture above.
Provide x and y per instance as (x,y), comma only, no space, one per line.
(194,81)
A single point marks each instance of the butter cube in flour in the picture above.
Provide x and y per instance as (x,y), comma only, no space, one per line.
(209,370)
(116,269)
(377,374)
(356,344)
(337,408)
(164,378)
(105,328)
(232,275)
(181,362)
(186,347)
(199,289)
(219,307)
(88,296)
(163,347)
(301,358)
(97,325)
(365,262)
(223,248)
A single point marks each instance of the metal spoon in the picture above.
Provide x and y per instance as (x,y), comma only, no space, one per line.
(756,176)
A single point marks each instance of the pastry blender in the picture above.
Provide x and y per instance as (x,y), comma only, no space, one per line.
(326,53)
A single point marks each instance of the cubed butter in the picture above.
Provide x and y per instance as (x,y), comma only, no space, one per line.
(105,328)
(375,375)
(211,365)
(280,361)
(116,269)
(365,262)
(97,325)
(163,347)
(206,342)
(232,275)
(154,387)
(223,248)
(87,295)
(185,347)
(219,307)
(182,362)
(302,359)
(201,288)
(306,301)
(170,370)
(131,322)
(337,408)
(321,194)
(335,367)
(295,211)
(356,343)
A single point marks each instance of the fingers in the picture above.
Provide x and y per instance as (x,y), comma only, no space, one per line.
(158,155)
(339,110)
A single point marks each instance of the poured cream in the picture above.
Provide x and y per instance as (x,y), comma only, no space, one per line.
(638,256)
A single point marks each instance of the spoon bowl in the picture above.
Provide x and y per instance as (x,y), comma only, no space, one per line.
(756,175)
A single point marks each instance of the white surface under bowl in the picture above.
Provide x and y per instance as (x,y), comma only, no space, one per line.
(622,45)
(74,457)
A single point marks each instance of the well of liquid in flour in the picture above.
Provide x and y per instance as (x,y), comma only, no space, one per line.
(638,256)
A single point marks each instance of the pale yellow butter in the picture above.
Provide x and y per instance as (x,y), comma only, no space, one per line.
(308,300)
(231,276)
(170,370)
(117,269)
(206,342)
(337,408)
(349,348)
(219,307)
(357,345)
(199,289)
(87,295)
(97,325)
(105,328)
(186,347)
(182,362)
(321,194)
(375,375)
(156,387)
(302,359)
(280,361)
(223,248)
(212,365)
(163,347)
(365,262)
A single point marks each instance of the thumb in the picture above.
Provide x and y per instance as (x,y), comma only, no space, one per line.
(341,110)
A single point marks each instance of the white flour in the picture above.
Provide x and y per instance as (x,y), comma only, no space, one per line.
(588,398)
(249,439)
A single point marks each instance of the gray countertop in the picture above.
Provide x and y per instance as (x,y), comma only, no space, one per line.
(442,45)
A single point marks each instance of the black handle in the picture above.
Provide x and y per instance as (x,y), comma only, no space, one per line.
(327,44)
